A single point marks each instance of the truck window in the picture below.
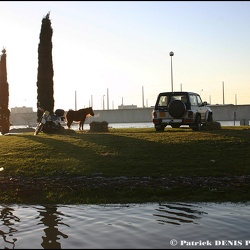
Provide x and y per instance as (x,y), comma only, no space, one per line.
(163,101)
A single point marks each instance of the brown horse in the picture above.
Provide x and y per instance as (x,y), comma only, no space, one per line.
(79,115)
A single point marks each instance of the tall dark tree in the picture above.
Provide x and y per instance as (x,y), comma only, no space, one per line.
(4,96)
(45,85)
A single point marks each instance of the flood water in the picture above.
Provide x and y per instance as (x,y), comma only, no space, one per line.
(151,125)
(145,125)
(86,126)
(126,226)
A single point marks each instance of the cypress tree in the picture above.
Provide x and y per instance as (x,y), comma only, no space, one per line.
(45,88)
(4,96)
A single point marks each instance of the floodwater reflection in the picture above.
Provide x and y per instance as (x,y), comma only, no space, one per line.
(130,226)
(178,213)
(51,218)
(8,221)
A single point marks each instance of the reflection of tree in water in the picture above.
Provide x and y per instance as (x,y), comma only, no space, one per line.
(8,220)
(51,219)
(178,213)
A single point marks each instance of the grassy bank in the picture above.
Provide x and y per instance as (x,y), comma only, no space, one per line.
(130,153)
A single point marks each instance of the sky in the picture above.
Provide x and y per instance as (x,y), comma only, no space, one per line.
(109,53)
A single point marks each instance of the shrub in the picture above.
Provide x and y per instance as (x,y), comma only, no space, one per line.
(99,126)
(211,126)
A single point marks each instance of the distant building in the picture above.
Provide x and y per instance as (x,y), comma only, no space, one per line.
(127,106)
(23,116)
(21,110)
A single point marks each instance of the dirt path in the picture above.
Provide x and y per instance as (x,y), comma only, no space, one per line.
(35,184)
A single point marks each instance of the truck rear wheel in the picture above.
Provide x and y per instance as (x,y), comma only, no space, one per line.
(177,108)
(197,124)
(160,128)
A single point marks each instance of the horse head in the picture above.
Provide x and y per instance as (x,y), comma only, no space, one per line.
(90,111)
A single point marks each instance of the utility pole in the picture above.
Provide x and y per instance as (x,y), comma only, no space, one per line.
(91,104)
(75,101)
(103,107)
(143,97)
(107,99)
(223,96)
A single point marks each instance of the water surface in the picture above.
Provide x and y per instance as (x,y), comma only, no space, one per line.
(149,225)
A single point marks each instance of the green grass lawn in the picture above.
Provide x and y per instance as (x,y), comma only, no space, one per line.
(128,152)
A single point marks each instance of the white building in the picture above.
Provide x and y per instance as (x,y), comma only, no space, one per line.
(21,110)
(127,106)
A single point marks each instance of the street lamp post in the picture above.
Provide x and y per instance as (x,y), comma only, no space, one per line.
(171,54)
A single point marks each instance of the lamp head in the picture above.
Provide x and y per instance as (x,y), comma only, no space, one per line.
(171,53)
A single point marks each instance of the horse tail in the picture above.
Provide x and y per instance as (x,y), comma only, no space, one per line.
(68,119)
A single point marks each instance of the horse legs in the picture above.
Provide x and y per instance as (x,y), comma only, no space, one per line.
(69,123)
(81,124)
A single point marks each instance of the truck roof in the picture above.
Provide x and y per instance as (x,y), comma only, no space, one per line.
(177,93)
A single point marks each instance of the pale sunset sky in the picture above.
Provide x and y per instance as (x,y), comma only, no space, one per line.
(123,47)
